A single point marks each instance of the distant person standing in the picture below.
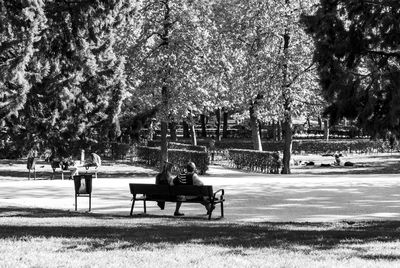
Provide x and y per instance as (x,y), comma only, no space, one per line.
(337,159)
(212,148)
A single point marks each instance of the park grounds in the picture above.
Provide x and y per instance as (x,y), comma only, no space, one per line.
(318,216)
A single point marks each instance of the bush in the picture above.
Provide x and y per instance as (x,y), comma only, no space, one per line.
(119,150)
(322,146)
(308,146)
(179,157)
(257,161)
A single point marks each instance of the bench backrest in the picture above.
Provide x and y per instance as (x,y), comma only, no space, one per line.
(154,189)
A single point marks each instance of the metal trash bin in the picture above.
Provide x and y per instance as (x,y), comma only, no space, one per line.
(83,188)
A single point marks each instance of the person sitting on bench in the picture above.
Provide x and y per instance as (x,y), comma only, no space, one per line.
(189,178)
(165,178)
(95,161)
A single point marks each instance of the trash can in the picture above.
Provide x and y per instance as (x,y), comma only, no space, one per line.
(83,188)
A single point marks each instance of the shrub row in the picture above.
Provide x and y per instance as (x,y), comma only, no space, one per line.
(307,146)
(311,146)
(267,162)
(177,156)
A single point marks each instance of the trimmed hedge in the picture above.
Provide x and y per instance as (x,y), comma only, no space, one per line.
(179,157)
(322,146)
(310,146)
(257,161)
(307,146)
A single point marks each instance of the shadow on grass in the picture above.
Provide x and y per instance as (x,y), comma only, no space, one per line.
(113,232)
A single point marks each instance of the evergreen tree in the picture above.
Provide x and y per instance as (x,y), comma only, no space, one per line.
(358,55)
(20,27)
(79,89)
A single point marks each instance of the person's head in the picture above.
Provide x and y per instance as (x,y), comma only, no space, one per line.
(167,167)
(190,167)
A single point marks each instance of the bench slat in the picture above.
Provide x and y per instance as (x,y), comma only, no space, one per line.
(191,190)
(152,189)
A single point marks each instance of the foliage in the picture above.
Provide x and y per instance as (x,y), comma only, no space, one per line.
(120,150)
(357,51)
(76,81)
(176,156)
(253,160)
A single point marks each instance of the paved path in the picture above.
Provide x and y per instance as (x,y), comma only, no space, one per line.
(250,197)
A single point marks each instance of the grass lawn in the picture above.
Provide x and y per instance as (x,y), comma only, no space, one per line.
(53,238)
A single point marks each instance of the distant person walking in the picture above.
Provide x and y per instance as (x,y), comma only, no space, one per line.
(212,148)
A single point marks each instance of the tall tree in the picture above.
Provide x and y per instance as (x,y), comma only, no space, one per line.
(76,97)
(357,50)
(20,29)
(167,58)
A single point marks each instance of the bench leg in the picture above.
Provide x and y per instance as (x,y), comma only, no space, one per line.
(133,204)
(76,202)
(90,202)
(144,206)
(210,213)
(222,209)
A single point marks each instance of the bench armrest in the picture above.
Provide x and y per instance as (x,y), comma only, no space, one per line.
(221,191)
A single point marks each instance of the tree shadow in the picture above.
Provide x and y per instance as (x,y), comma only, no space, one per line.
(118,232)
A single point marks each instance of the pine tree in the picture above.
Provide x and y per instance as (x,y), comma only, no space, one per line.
(77,97)
(358,54)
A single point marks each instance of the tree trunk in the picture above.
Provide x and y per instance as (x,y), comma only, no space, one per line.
(320,123)
(225,126)
(326,129)
(274,131)
(164,89)
(164,125)
(287,149)
(172,131)
(218,132)
(287,105)
(203,126)
(193,134)
(186,131)
(279,130)
(255,134)
(164,142)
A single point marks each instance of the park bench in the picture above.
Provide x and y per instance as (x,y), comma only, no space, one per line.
(166,193)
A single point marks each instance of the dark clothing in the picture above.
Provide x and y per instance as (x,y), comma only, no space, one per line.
(163,179)
(184,179)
